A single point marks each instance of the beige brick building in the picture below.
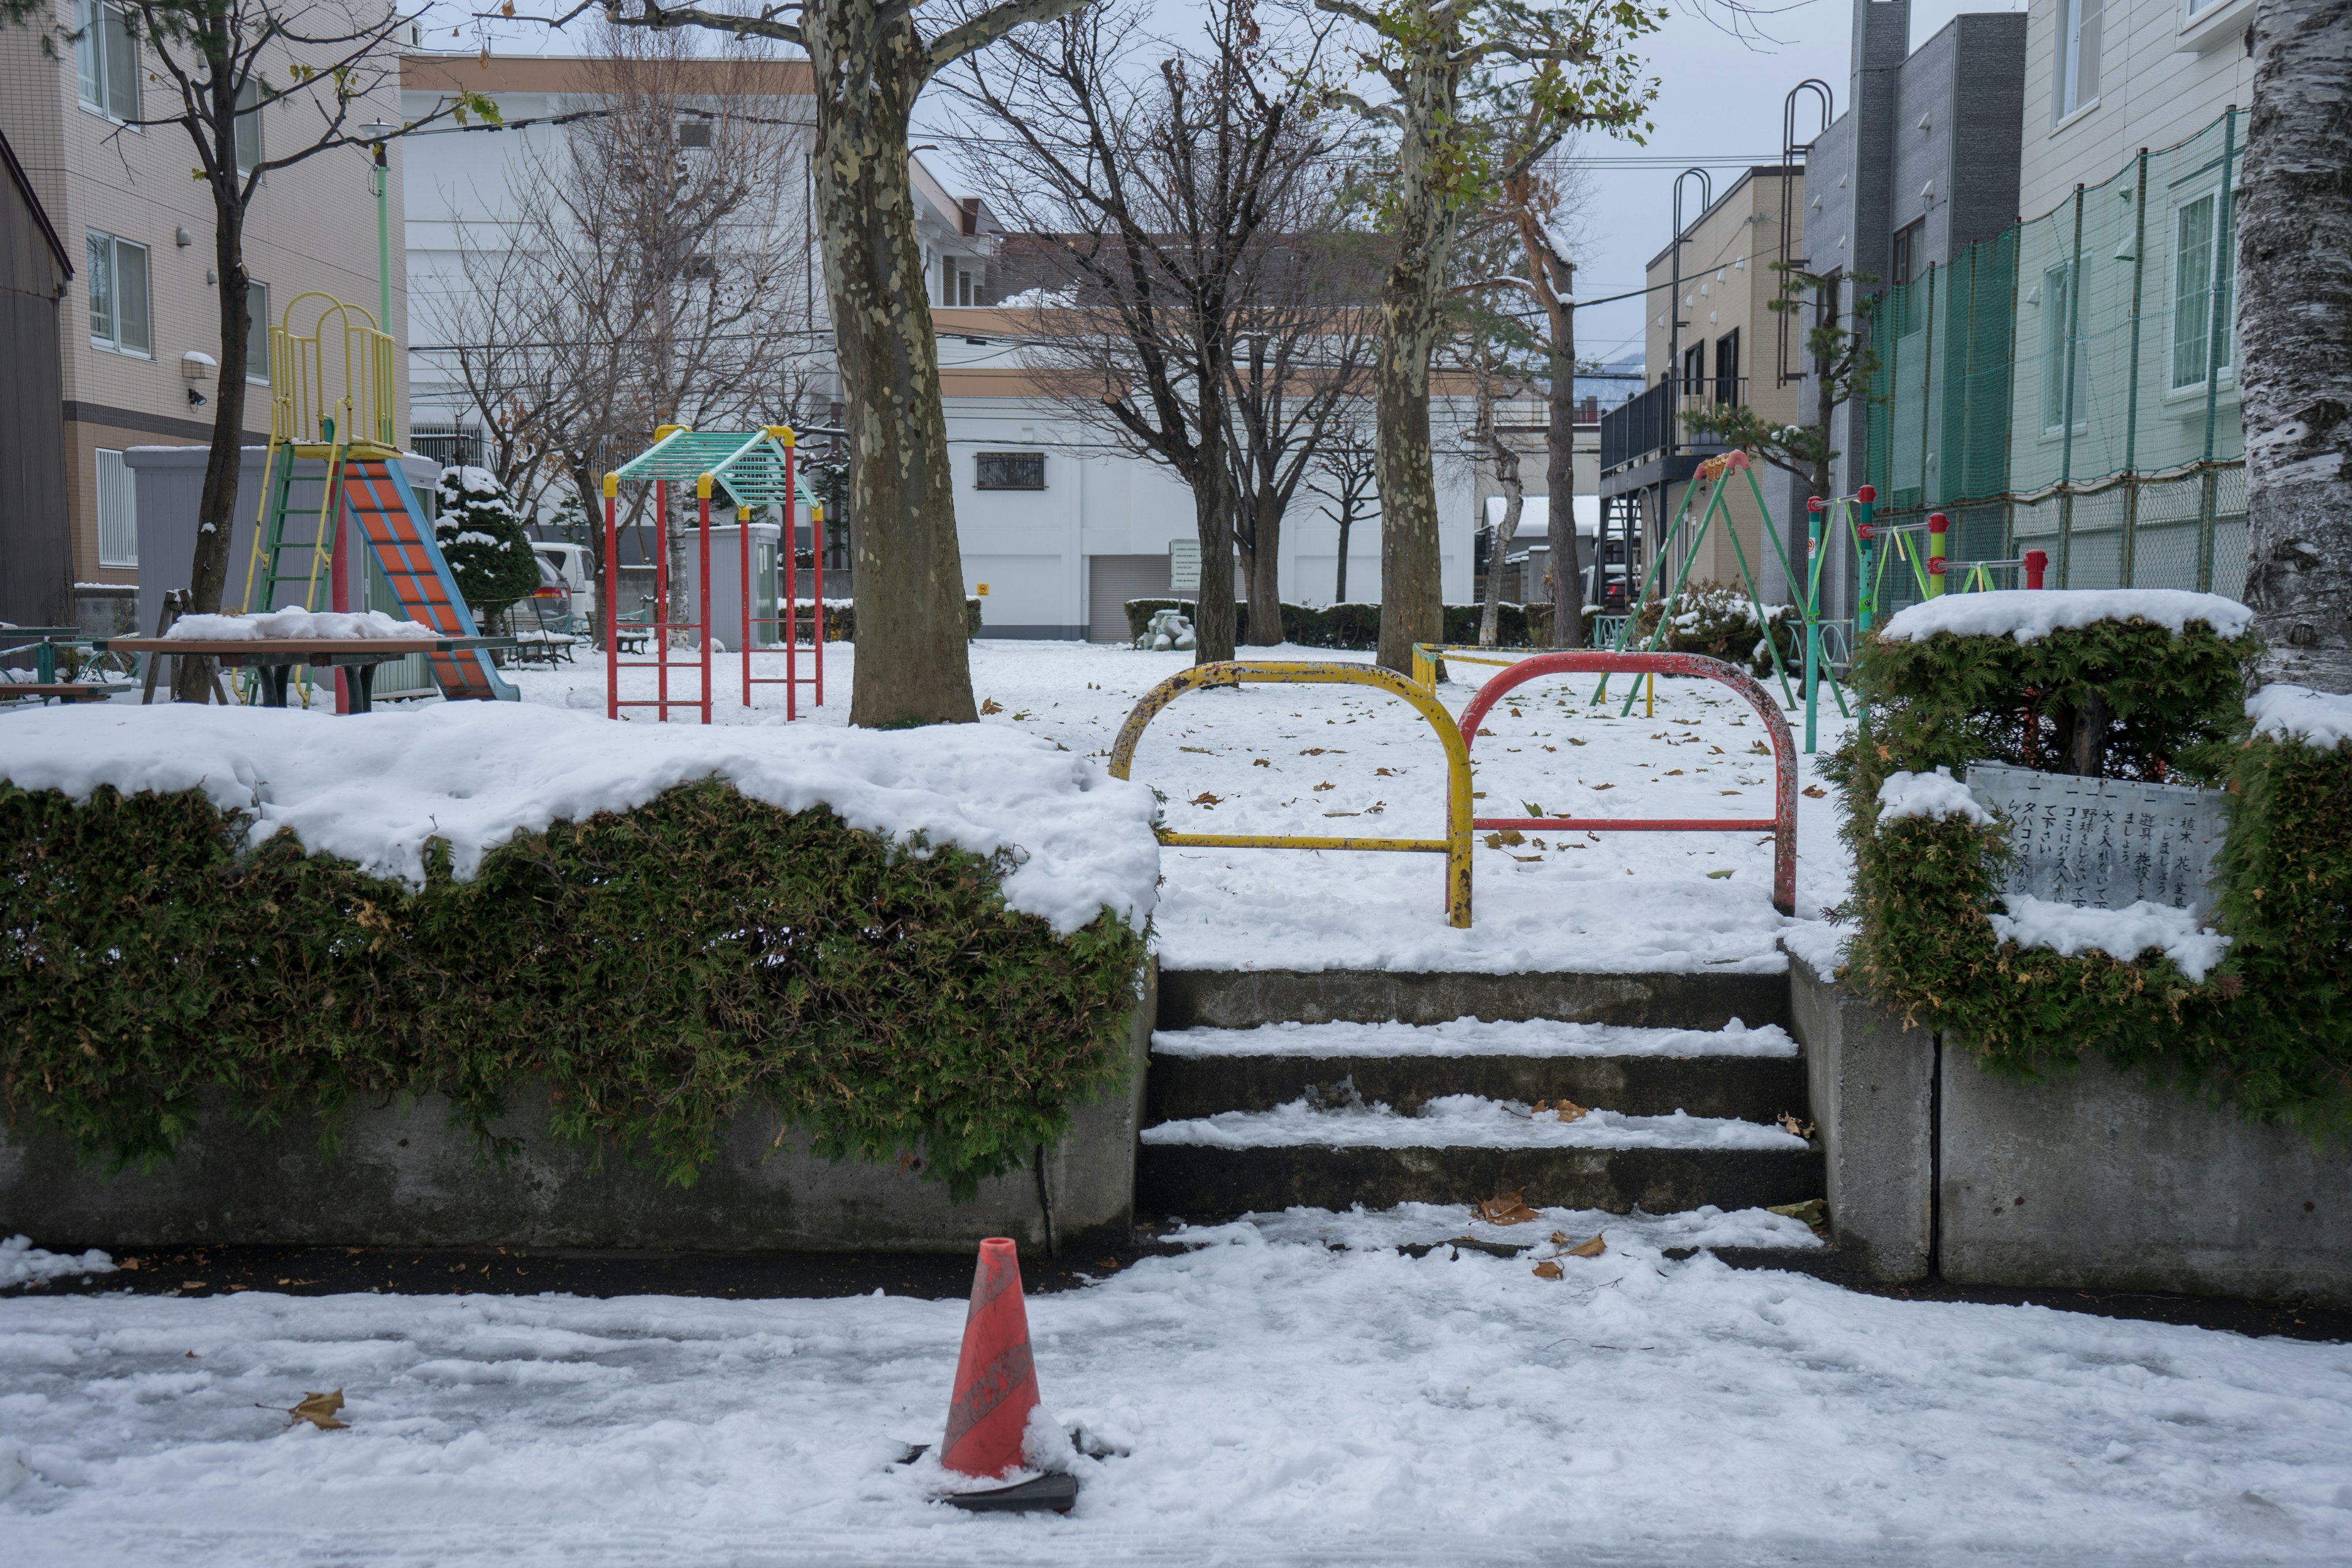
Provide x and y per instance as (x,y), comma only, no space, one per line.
(144,295)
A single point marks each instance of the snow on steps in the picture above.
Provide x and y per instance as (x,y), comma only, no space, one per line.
(1332,1114)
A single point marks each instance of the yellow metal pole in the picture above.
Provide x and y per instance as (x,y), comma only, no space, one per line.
(1650,696)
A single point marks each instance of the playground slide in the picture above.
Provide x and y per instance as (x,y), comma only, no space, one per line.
(384,509)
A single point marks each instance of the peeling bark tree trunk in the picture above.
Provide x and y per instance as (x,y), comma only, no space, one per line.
(912,665)
(2294,326)
(1515,495)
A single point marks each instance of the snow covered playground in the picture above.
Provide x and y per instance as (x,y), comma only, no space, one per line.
(1360,1370)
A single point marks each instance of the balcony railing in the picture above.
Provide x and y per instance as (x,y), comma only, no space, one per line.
(1639,429)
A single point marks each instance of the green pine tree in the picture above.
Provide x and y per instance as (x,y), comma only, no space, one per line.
(482,539)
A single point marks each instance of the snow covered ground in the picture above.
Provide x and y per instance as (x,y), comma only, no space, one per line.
(1266,1399)
(1328,759)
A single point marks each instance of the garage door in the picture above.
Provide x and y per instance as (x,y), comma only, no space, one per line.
(1111,582)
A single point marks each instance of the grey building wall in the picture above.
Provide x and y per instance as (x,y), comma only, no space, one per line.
(36,540)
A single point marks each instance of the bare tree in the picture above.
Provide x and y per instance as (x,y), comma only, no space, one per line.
(1537,200)
(1478,91)
(640,279)
(872,61)
(1346,475)
(258,85)
(2294,326)
(1493,344)
(1306,341)
(1151,195)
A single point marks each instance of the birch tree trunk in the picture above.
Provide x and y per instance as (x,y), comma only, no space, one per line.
(2294,326)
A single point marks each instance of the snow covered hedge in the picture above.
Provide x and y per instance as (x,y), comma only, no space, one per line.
(1352,626)
(920,942)
(2262,1022)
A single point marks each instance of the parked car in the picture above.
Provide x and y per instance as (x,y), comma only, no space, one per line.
(575,567)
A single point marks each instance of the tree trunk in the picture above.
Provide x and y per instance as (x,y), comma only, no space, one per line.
(2294,325)
(1490,616)
(1212,603)
(1560,478)
(1340,577)
(912,664)
(192,678)
(1264,628)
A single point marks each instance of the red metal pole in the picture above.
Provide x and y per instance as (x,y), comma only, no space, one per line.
(743,528)
(611,598)
(1939,525)
(702,498)
(339,595)
(2037,562)
(659,620)
(816,545)
(792,616)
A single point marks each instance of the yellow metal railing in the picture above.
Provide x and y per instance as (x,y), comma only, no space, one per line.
(1454,845)
(1428,656)
(341,372)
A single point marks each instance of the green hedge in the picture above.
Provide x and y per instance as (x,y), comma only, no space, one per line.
(841,619)
(2269,1029)
(651,972)
(1356,627)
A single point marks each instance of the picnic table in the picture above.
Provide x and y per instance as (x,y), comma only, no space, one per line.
(42,644)
(274,658)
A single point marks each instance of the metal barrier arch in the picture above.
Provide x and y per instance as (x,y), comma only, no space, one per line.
(1454,845)
(1782,823)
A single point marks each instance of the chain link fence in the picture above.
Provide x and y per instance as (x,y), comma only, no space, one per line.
(2069,386)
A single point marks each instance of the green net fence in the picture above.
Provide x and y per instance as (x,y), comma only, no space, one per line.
(2068,386)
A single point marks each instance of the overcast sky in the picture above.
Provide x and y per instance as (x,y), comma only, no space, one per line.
(1719,106)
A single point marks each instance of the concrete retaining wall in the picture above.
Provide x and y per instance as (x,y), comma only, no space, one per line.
(2095,1179)
(404,1179)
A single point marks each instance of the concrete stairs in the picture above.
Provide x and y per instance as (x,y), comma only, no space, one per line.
(1269,1090)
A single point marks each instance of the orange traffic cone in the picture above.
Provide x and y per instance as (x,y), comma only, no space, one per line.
(995,1381)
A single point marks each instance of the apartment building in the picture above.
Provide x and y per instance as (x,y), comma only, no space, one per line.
(140,324)
(1712,340)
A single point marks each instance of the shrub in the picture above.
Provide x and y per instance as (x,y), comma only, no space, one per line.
(2269,1029)
(483,540)
(652,971)
(841,619)
(1719,619)
(1350,625)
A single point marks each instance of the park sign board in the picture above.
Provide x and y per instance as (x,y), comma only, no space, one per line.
(1183,565)
(2104,843)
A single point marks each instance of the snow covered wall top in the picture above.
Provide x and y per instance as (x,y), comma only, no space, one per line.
(2029,614)
(372,790)
(2317,719)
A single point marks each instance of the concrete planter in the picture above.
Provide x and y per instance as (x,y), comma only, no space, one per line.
(2097,1179)
(403,1179)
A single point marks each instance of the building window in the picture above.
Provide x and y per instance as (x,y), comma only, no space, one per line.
(257,332)
(107,59)
(118,295)
(1011,471)
(2057,320)
(2078,58)
(118,511)
(2196,249)
(249,126)
(1694,370)
(1726,368)
(1910,246)
(693,131)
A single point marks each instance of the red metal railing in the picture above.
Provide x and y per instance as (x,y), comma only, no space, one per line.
(1781,825)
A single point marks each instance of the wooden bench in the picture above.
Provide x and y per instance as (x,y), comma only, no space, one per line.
(62,690)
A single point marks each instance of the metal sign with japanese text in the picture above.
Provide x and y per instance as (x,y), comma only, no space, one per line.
(1183,565)
(2104,843)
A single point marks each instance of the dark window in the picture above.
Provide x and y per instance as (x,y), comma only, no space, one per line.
(1012,470)
(1695,370)
(1726,367)
(693,131)
(1910,248)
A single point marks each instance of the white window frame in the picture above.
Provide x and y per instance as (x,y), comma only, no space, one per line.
(2057,288)
(256,337)
(114,246)
(2217,266)
(103,75)
(118,510)
(2067,98)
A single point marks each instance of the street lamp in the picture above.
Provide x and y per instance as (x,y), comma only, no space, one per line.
(380,129)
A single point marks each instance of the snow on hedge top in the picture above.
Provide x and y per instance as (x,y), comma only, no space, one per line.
(2029,614)
(1935,794)
(374,789)
(2298,714)
(297,623)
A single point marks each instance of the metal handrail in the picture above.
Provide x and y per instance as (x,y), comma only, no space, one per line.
(1454,845)
(1782,823)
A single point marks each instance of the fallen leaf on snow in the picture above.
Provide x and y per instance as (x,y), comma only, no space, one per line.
(1727,792)
(1312,751)
(1505,1208)
(1574,741)
(1593,1248)
(1604,787)
(1261,763)
(1327,784)
(1791,1124)
(1383,773)
(1549,1270)
(318,1409)
(1566,1110)
(1672,772)
(1486,731)
(1206,798)
(1203,750)
(1525,860)
(1718,876)
(1507,836)
(1814,791)
(1531,808)
(1812,1211)
(1760,750)
(992,706)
